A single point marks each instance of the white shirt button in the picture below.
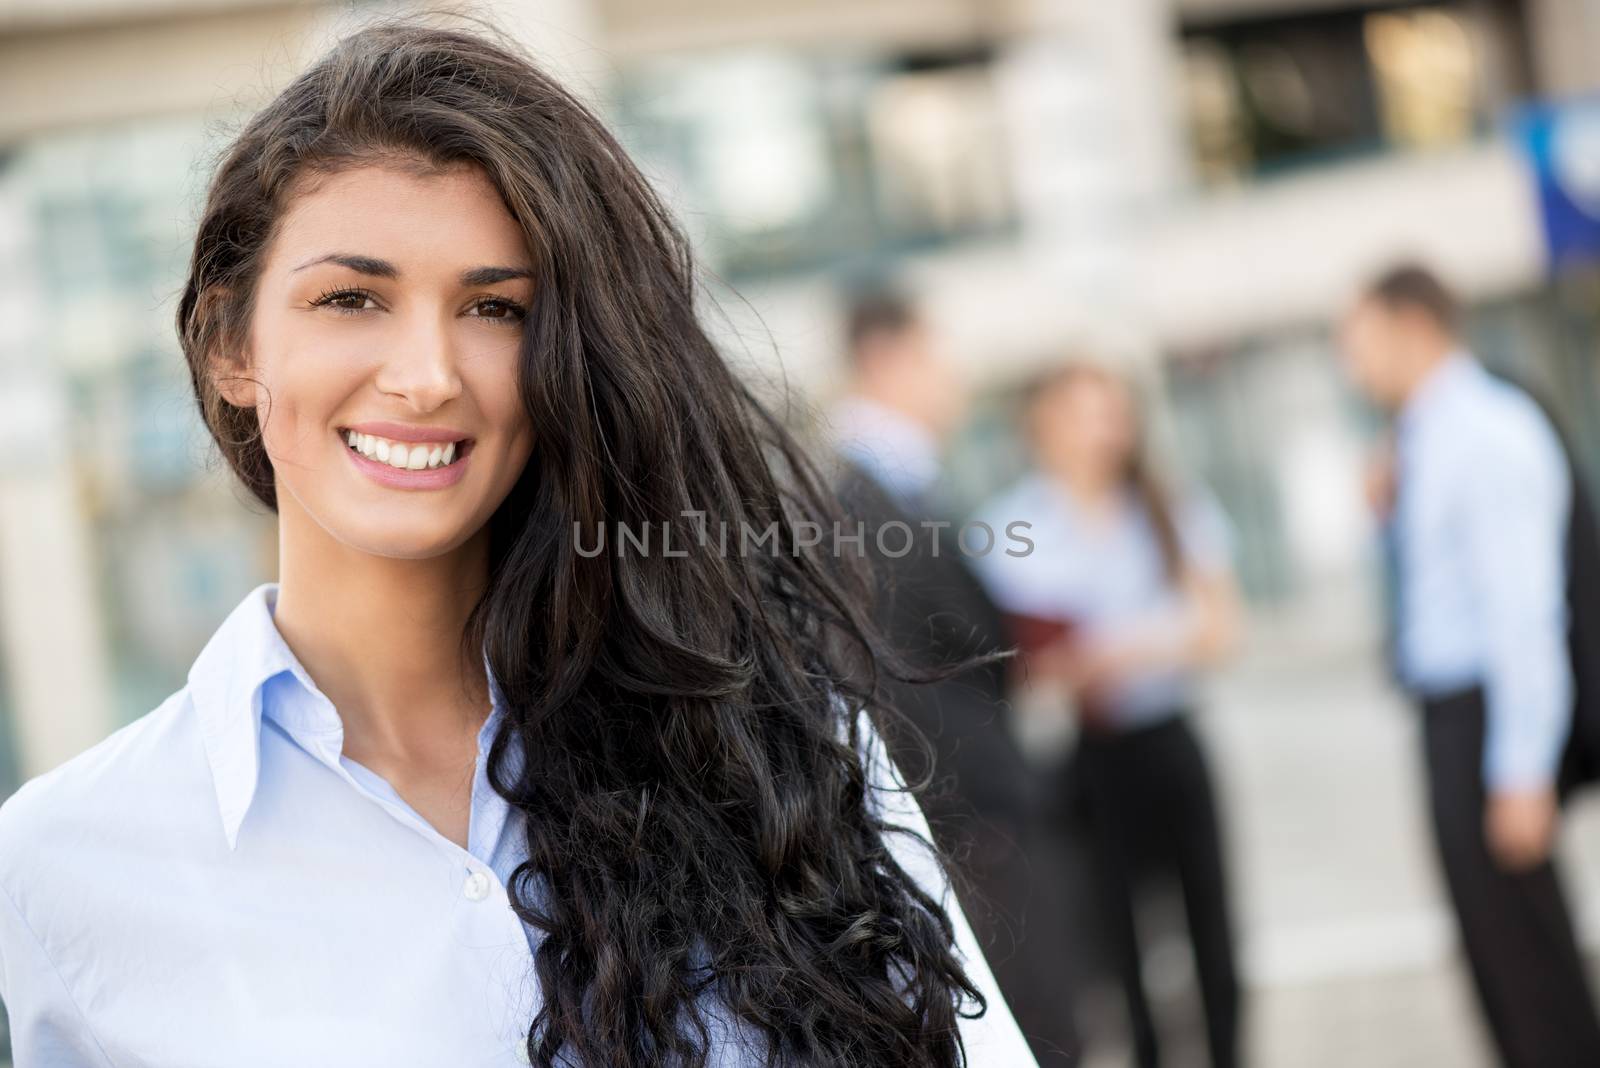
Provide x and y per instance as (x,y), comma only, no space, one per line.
(476,888)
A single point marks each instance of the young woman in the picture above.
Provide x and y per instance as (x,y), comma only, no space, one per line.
(1137,585)
(459,789)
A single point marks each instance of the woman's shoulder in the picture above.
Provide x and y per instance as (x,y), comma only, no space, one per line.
(120,791)
(1018,499)
(894,802)
(1203,524)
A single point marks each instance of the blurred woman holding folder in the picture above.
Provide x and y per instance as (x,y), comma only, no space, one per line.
(1126,592)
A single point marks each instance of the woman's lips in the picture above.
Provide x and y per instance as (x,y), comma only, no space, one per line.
(386,474)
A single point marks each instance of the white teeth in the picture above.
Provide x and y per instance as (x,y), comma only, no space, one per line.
(414,457)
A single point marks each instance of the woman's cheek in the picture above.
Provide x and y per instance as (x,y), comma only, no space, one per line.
(289,431)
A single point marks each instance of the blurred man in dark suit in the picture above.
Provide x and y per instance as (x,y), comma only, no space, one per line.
(983,801)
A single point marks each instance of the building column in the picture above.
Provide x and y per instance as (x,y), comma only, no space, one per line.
(1091,101)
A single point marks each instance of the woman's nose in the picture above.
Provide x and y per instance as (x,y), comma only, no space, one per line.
(423,366)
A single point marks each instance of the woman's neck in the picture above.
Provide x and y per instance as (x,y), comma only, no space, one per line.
(381,638)
(1092,487)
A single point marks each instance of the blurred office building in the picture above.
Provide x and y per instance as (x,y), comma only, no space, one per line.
(1194,186)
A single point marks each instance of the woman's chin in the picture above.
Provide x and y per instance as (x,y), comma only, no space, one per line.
(402,541)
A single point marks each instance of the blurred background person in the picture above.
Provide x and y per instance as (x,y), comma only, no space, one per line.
(901,400)
(1138,581)
(1476,503)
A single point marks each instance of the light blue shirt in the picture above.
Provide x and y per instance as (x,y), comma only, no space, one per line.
(216,884)
(1480,529)
(1106,578)
(899,453)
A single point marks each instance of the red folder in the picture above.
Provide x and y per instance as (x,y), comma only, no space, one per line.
(1033,633)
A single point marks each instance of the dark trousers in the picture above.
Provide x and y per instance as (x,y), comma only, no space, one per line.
(1515,926)
(1151,806)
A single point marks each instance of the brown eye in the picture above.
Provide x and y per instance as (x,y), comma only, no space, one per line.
(501,310)
(346,301)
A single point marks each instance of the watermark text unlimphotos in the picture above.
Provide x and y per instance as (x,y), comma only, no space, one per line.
(893,538)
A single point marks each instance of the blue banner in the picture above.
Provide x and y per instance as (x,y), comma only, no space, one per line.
(1562,144)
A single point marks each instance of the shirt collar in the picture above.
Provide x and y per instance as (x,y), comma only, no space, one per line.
(1439,383)
(226,684)
(902,454)
(1046,491)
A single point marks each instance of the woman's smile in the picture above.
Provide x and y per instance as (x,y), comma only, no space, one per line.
(407,457)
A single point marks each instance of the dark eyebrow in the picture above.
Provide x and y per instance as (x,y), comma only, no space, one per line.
(488,276)
(361,264)
(474,276)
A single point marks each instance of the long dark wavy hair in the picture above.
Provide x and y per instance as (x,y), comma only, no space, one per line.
(697,801)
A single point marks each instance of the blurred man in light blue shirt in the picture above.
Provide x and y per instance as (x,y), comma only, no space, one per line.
(1475,505)
(1480,528)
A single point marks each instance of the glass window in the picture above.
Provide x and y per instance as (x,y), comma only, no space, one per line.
(1266,94)
(784,160)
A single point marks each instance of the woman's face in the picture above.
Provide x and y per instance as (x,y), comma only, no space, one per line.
(394,302)
(1086,423)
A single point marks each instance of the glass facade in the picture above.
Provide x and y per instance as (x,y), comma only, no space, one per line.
(1283,91)
(781,161)
(111,212)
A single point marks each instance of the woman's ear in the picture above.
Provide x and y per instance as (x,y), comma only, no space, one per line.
(233,380)
(228,370)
